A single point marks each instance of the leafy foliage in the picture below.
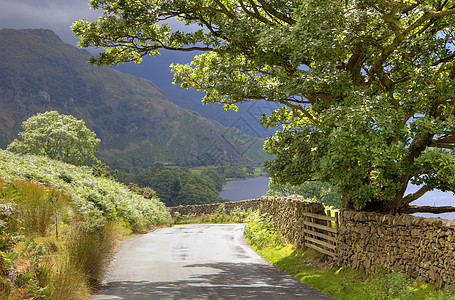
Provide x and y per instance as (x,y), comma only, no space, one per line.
(367,86)
(260,231)
(316,190)
(93,197)
(60,137)
(177,187)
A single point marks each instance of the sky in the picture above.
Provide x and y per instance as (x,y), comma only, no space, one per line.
(57,15)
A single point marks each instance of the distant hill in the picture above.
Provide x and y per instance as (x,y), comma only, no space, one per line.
(136,122)
(246,118)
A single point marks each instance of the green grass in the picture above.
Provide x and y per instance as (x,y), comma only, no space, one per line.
(345,283)
(342,284)
(313,269)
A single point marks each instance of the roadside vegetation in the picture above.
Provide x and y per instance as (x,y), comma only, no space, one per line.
(59,225)
(315,191)
(219,216)
(176,185)
(313,269)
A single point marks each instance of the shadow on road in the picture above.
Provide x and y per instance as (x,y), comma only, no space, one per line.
(251,281)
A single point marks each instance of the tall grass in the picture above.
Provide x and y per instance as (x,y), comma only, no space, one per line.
(89,250)
(81,267)
(36,262)
(68,283)
(37,208)
(56,231)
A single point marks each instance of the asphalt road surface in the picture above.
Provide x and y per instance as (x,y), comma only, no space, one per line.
(197,262)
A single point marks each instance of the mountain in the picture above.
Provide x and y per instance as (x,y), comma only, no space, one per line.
(246,118)
(134,119)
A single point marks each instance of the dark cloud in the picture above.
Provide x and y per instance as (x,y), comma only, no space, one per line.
(57,15)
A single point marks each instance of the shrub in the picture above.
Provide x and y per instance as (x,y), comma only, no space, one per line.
(240,214)
(260,231)
(92,196)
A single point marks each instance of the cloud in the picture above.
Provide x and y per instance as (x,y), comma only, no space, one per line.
(57,15)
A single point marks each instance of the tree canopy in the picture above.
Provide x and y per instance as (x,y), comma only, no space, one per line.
(176,187)
(60,137)
(310,190)
(368,86)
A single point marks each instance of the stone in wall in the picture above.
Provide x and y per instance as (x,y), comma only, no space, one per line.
(423,248)
(203,209)
(286,212)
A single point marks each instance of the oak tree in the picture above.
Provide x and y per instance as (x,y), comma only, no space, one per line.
(367,86)
(58,136)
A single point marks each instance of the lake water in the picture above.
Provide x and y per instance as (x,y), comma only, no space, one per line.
(255,187)
(250,188)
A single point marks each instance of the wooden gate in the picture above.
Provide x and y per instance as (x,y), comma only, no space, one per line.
(321,232)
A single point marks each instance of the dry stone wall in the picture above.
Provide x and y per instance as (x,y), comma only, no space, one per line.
(421,247)
(286,212)
(424,248)
(203,209)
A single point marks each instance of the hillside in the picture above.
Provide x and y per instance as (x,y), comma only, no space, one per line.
(246,118)
(136,122)
(93,197)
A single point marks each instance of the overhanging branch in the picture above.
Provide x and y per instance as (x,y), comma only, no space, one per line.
(411,197)
(428,209)
(445,141)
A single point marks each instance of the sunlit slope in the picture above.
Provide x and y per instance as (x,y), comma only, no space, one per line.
(92,196)
(136,122)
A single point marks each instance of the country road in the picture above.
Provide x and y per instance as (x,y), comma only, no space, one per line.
(197,262)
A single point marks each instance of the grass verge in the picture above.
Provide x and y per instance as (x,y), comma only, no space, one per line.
(47,249)
(311,268)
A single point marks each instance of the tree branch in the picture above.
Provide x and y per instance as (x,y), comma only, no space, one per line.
(446,141)
(428,209)
(374,77)
(228,13)
(302,109)
(426,16)
(254,14)
(411,197)
(276,14)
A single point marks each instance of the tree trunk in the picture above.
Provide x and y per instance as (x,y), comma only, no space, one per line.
(346,202)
